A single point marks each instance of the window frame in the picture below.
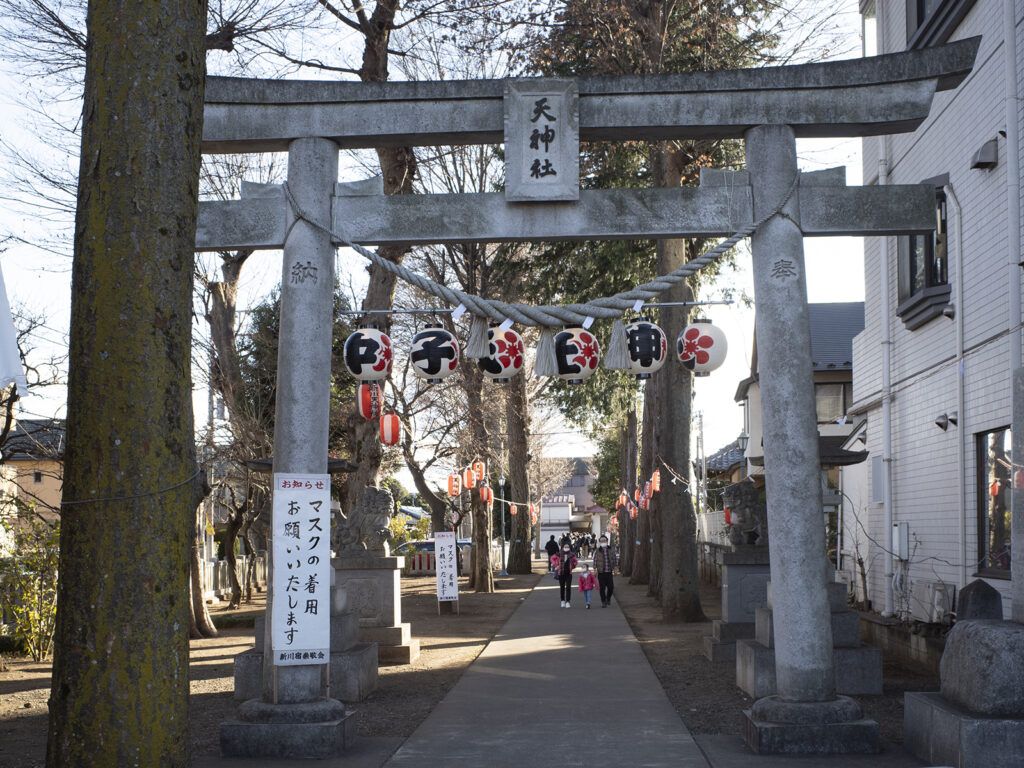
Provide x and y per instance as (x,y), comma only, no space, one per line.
(917,307)
(927,28)
(982,489)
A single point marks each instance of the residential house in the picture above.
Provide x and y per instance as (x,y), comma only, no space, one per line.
(572,507)
(31,476)
(933,366)
(833,328)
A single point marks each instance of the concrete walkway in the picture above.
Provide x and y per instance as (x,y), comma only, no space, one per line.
(565,687)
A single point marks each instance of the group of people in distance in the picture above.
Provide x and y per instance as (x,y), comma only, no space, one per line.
(562,560)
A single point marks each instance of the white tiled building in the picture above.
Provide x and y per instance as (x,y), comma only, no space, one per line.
(946,314)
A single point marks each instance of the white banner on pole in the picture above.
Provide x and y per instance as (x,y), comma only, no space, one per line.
(446,553)
(301,607)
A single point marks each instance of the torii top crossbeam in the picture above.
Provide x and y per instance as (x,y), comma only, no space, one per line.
(858,97)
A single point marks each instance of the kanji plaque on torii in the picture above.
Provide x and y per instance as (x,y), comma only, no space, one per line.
(542,140)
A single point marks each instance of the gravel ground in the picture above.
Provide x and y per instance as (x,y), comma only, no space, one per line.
(706,696)
(405,696)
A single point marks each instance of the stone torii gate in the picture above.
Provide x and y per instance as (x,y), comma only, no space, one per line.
(768,108)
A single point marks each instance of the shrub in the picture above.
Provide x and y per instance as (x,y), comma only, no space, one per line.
(29,583)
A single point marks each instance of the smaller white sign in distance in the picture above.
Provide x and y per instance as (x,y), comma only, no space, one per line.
(445,554)
(301,607)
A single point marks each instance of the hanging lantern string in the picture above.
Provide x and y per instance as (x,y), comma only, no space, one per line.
(550,315)
(675,475)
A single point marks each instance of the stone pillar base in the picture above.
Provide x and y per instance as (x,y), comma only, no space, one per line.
(942,733)
(353,673)
(395,645)
(773,726)
(317,740)
(721,645)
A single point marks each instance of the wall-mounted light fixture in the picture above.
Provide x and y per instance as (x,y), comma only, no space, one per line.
(944,420)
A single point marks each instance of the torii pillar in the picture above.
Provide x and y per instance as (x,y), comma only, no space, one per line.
(806,714)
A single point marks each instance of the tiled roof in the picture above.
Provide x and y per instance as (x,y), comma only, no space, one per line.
(726,458)
(833,327)
(35,439)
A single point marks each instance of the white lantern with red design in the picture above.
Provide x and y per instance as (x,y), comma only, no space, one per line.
(468,478)
(632,512)
(368,354)
(701,347)
(646,346)
(434,354)
(454,484)
(480,470)
(623,499)
(505,355)
(486,494)
(533,518)
(513,509)
(577,353)
(390,429)
(656,481)
(368,399)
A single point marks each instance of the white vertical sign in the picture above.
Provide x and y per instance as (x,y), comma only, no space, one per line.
(301,607)
(445,553)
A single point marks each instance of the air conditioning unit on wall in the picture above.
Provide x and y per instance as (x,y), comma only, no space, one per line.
(932,602)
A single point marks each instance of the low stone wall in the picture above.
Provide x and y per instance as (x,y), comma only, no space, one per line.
(900,644)
(709,561)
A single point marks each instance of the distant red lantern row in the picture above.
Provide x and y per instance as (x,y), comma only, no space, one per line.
(434,353)
(642,498)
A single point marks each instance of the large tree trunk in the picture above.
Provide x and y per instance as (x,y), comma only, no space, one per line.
(120,674)
(517,418)
(230,537)
(398,168)
(680,575)
(648,462)
(627,534)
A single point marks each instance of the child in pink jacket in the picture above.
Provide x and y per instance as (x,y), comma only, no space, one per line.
(587,583)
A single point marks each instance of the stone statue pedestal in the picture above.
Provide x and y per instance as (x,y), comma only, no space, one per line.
(745,575)
(373,585)
(353,673)
(858,668)
(978,717)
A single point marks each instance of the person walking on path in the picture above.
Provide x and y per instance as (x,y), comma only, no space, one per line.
(604,564)
(563,562)
(587,583)
(551,548)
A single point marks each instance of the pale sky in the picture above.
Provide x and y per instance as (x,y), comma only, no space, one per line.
(41,281)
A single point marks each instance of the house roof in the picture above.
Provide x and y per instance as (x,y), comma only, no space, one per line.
(35,439)
(725,458)
(558,500)
(833,327)
(830,453)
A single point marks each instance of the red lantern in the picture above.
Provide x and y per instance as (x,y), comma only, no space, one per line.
(701,347)
(454,485)
(647,489)
(576,352)
(636,494)
(486,494)
(623,499)
(656,481)
(632,512)
(390,429)
(504,356)
(368,354)
(728,516)
(647,348)
(368,400)
(468,478)
(479,469)
(533,519)
(512,509)
(434,354)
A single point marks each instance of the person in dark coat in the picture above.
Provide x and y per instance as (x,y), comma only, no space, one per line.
(551,548)
(563,563)
(604,563)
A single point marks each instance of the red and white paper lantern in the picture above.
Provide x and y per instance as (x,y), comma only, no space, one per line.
(701,347)
(646,346)
(434,354)
(486,494)
(577,353)
(504,357)
(454,484)
(368,354)
(656,481)
(479,470)
(368,399)
(513,509)
(468,478)
(390,429)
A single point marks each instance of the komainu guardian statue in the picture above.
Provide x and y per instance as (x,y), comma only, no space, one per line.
(749,517)
(365,529)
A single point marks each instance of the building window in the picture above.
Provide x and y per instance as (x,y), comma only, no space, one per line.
(37,477)
(831,401)
(923,268)
(932,22)
(868,29)
(994,479)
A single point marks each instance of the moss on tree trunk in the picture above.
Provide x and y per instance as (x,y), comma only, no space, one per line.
(120,677)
